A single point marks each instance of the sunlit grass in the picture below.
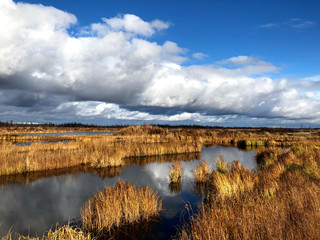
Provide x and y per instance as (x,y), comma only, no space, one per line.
(175,172)
(118,206)
(201,172)
(60,233)
(281,201)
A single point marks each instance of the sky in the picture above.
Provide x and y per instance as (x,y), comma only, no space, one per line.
(219,63)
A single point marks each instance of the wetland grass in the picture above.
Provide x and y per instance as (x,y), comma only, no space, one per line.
(135,141)
(175,173)
(281,201)
(119,206)
(94,151)
(201,172)
(60,233)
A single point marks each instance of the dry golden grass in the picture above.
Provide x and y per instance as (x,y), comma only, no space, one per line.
(287,212)
(175,173)
(221,165)
(94,151)
(136,141)
(61,233)
(231,183)
(281,201)
(201,172)
(118,206)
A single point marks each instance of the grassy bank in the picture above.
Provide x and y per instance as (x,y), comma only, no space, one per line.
(93,151)
(281,201)
(139,141)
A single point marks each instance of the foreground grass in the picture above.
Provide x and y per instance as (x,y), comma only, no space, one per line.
(119,206)
(61,233)
(281,201)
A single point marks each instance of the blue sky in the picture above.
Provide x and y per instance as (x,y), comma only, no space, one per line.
(285,33)
(228,63)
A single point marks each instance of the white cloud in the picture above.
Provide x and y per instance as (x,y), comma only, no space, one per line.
(295,23)
(134,24)
(159,25)
(199,55)
(269,25)
(239,60)
(302,24)
(112,64)
(314,78)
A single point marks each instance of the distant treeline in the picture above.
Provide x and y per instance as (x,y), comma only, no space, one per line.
(30,124)
(81,125)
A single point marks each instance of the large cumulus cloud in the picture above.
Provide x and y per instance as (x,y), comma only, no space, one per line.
(111,69)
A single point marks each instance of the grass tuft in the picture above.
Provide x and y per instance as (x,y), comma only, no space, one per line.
(221,165)
(175,173)
(201,172)
(60,233)
(120,205)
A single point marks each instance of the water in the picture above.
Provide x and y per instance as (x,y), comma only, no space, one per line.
(34,207)
(66,134)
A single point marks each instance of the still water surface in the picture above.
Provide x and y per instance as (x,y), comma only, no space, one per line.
(34,207)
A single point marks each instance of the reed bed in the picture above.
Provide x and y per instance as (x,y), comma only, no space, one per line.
(95,151)
(281,201)
(119,206)
(135,141)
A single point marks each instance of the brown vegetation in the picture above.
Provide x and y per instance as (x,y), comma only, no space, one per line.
(281,201)
(61,233)
(119,206)
(136,141)
(201,172)
(175,173)
(94,151)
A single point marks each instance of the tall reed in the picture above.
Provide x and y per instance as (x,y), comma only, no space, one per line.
(118,206)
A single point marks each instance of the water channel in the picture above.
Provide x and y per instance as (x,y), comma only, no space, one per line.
(35,206)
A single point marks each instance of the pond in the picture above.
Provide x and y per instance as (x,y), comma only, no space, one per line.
(32,208)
